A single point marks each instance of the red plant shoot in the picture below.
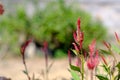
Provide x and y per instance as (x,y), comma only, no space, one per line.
(75,36)
(22,50)
(78,30)
(1,9)
(23,47)
(117,38)
(92,47)
(78,35)
(78,23)
(104,60)
(69,57)
(107,45)
(92,61)
(45,49)
(76,47)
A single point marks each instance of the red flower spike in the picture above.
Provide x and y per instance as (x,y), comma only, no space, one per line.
(81,36)
(45,46)
(75,37)
(93,59)
(92,47)
(76,47)
(69,57)
(78,35)
(117,37)
(107,44)
(24,46)
(78,23)
(1,9)
(78,30)
(96,58)
(92,62)
(103,58)
(81,39)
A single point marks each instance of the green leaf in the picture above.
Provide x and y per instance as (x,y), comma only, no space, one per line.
(101,77)
(105,52)
(25,72)
(117,77)
(115,48)
(118,65)
(106,68)
(75,68)
(75,52)
(74,75)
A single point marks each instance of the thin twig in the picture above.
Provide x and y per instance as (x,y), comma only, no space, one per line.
(26,68)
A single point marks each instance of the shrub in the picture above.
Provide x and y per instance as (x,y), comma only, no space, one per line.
(54,24)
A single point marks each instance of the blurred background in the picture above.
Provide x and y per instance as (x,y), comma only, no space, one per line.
(54,21)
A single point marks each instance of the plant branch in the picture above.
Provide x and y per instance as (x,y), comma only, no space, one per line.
(26,70)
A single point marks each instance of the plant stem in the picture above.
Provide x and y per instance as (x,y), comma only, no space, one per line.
(46,66)
(109,75)
(82,76)
(91,74)
(82,67)
(46,72)
(26,68)
(95,72)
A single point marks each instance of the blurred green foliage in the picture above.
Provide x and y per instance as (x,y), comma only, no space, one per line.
(54,23)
